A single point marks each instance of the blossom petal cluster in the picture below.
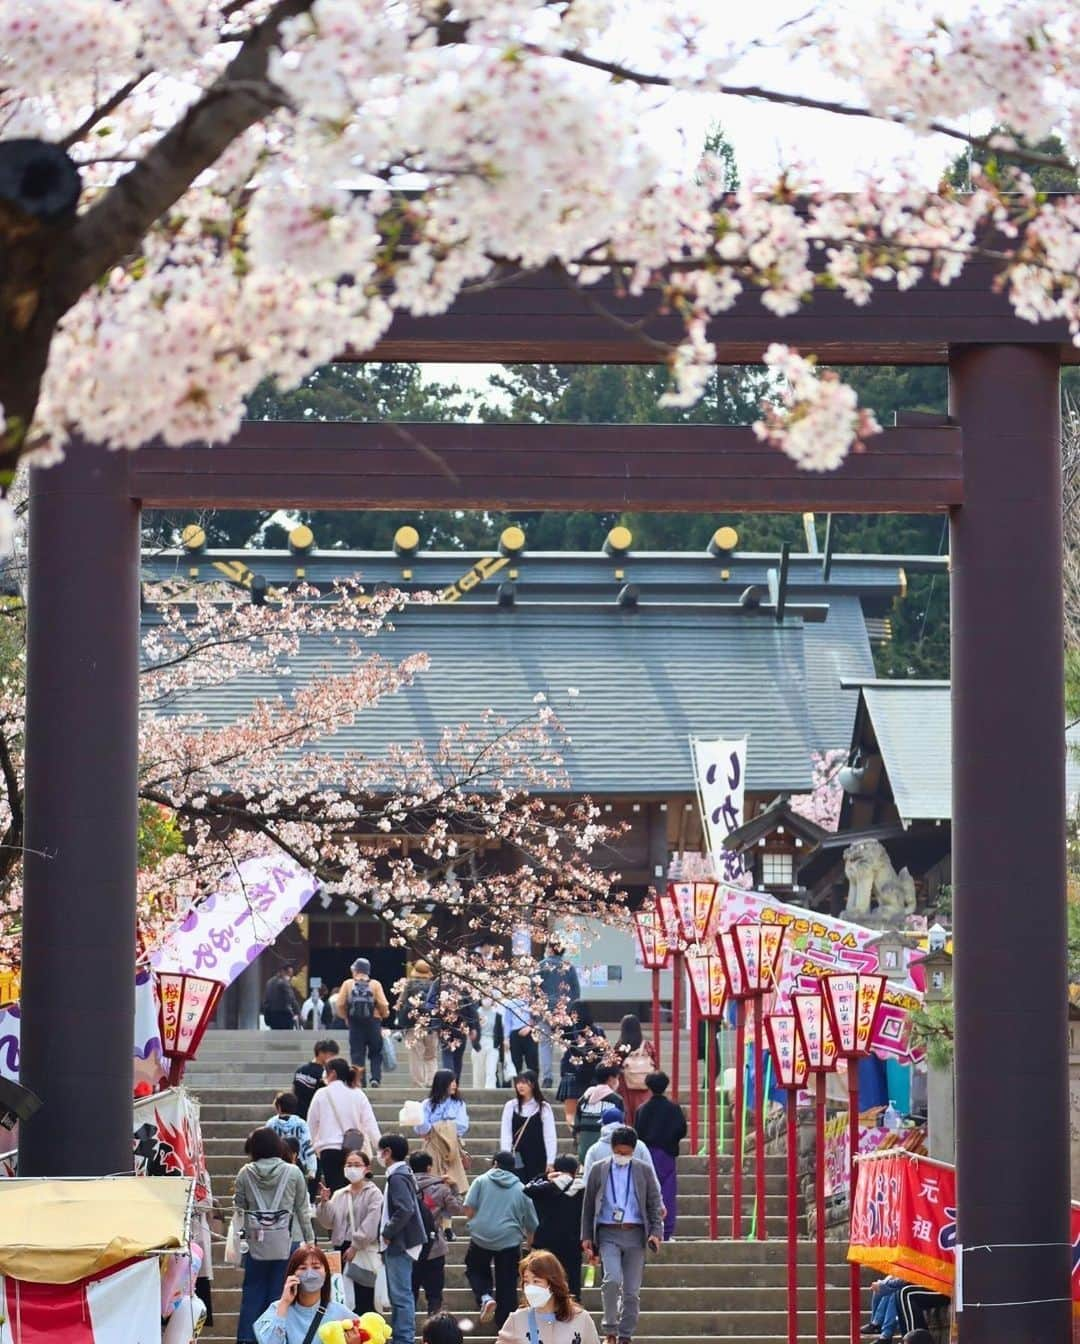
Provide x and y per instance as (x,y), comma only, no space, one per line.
(316,166)
(815,417)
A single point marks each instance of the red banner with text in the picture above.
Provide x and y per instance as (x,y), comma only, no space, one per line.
(903,1221)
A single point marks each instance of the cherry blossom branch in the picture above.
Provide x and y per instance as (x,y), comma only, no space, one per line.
(619,71)
(113,227)
(106,109)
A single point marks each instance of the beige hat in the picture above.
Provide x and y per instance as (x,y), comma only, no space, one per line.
(421,969)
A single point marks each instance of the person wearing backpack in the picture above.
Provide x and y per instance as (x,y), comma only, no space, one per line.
(638,1059)
(600,1097)
(406,1234)
(362,1003)
(501,1216)
(440,1198)
(270,1191)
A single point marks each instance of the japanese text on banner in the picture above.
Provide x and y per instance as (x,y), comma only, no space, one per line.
(720,771)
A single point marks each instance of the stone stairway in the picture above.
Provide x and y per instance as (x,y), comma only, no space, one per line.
(693,1289)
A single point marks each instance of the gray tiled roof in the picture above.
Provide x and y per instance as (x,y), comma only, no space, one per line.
(914,731)
(646,678)
(644,684)
(913,725)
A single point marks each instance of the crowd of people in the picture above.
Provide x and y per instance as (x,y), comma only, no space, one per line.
(546,1212)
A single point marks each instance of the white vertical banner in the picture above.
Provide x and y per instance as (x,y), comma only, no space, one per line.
(125,1307)
(720,773)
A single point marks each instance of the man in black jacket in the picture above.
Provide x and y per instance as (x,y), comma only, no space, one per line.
(661,1127)
(280,1005)
(402,1236)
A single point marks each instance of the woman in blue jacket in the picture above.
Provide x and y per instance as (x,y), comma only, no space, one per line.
(445,1123)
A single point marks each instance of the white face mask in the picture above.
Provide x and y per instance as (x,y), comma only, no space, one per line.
(621,1159)
(537,1295)
(354,1174)
(381,1160)
(311,1280)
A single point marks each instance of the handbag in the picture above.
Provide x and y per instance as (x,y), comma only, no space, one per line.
(389,1053)
(352,1140)
(382,1293)
(519,1161)
(363,1268)
(233,1255)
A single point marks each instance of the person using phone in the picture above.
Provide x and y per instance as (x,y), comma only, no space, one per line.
(304,1303)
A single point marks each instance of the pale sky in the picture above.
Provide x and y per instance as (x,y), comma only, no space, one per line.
(764,135)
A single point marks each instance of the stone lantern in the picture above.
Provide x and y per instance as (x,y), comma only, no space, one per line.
(939,972)
(892,954)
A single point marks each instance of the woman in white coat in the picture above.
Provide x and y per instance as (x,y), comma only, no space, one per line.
(339,1113)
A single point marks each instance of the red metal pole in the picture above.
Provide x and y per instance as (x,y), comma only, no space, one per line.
(676,1013)
(695,1078)
(759,1125)
(737,1128)
(711,1029)
(656,1015)
(855,1284)
(819,1200)
(792,1218)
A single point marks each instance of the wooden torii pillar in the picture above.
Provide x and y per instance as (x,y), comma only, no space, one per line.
(1008,849)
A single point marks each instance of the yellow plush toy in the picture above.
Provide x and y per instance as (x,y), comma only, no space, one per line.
(368,1329)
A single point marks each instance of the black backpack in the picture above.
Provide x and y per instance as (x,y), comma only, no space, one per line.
(361,1002)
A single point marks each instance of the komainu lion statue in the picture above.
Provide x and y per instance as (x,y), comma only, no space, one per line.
(870,873)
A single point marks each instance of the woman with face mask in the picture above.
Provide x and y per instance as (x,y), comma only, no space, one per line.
(304,1303)
(352,1217)
(550,1314)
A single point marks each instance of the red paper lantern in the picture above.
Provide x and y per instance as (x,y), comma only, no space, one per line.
(785,1047)
(815,1031)
(852,1002)
(757,947)
(667,911)
(186,1005)
(737,987)
(709,982)
(695,905)
(652,945)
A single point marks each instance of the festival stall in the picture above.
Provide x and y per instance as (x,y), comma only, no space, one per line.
(103,1260)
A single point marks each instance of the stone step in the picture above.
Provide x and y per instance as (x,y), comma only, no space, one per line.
(681,1293)
(724,1322)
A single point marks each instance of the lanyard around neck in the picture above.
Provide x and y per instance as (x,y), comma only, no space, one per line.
(611,1185)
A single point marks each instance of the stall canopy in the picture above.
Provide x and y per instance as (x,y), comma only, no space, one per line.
(60,1231)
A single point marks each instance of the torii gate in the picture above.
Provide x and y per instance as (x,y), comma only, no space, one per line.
(1002,491)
